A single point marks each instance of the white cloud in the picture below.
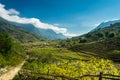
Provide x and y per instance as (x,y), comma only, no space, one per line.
(1,5)
(13,16)
(71,34)
(56,24)
(13,12)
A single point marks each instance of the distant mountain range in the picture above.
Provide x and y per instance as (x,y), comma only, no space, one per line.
(106,24)
(49,34)
(102,31)
(19,33)
(113,30)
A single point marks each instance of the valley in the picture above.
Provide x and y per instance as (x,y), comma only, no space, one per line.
(47,55)
(51,62)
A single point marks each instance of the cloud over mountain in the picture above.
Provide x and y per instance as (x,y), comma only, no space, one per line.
(13,16)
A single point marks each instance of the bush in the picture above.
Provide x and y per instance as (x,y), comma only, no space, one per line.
(100,34)
(114,55)
(41,55)
(111,35)
(83,40)
(11,52)
(6,43)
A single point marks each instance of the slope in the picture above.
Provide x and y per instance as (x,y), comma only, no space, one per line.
(19,33)
(103,33)
(50,34)
(105,24)
(104,42)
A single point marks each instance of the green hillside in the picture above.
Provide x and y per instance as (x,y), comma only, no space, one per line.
(61,59)
(103,33)
(98,35)
(20,34)
(103,42)
(108,48)
(11,52)
(51,63)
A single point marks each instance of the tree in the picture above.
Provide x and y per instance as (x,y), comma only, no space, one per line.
(111,35)
(82,40)
(106,34)
(6,43)
(88,35)
(100,34)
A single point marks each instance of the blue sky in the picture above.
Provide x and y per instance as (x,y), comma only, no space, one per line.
(77,16)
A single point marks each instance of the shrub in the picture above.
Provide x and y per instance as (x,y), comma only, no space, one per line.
(11,52)
(111,35)
(100,34)
(6,43)
(83,40)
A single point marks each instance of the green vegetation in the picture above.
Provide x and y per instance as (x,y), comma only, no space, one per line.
(104,42)
(5,43)
(111,34)
(71,58)
(104,33)
(19,33)
(83,40)
(108,48)
(97,35)
(11,52)
(51,60)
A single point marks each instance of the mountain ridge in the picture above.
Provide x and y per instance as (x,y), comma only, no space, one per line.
(103,42)
(18,33)
(47,33)
(105,24)
(50,34)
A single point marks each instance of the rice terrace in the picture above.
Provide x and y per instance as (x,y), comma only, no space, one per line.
(60,40)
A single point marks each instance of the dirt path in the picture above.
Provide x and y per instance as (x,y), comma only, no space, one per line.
(12,73)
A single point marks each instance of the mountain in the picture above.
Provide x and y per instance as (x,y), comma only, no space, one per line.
(50,34)
(18,32)
(105,24)
(102,33)
(103,42)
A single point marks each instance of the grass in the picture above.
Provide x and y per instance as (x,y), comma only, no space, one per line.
(62,62)
(109,48)
(11,52)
